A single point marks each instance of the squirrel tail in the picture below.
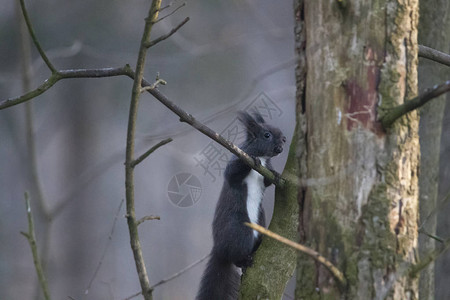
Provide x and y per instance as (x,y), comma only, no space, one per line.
(220,280)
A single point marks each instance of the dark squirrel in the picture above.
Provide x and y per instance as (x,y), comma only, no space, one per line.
(239,202)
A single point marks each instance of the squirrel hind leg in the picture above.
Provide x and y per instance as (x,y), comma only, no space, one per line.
(236,247)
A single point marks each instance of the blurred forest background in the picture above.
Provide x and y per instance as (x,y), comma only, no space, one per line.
(228,57)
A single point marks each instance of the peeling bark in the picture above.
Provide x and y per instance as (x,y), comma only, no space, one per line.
(361,202)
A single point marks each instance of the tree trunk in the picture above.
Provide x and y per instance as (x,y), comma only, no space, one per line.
(361,203)
(434,17)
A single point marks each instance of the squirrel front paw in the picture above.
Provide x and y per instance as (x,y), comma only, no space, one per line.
(257,160)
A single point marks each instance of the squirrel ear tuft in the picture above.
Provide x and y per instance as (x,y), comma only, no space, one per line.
(258,117)
(249,122)
(245,118)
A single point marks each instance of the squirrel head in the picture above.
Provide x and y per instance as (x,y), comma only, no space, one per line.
(263,140)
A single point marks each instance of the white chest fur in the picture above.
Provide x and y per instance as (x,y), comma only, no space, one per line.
(255,193)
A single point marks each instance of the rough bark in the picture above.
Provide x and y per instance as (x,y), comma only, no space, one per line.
(361,203)
(434,17)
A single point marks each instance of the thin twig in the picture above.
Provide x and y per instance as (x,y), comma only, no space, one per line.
(434,237)
(154,85)
(174,11)
(116,217)
(394,113)
(35,40)
(31,237)
(414,270)
(173,276)
(147,218)
(166,36)
(435,55)
(150,151)
(165,7)
(129,153)
(60,52)
(308,251)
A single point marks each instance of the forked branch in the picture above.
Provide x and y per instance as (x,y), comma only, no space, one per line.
(166,36)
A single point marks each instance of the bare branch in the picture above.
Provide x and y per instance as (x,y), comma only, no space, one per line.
(147,218)
(150,151)
(32,94)
(64,74)
(31,237)
(435,55)
(166,36)
(338,275)
(274,177)
(35,40)
(393,114)
(174,11)
(129,153)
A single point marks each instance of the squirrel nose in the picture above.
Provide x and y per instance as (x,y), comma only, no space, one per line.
(278,149)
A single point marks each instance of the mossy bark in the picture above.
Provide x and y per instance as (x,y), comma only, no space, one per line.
(361,202)
(434,32)
(274,263)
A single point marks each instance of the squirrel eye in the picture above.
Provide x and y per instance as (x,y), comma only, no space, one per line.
(267,135)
